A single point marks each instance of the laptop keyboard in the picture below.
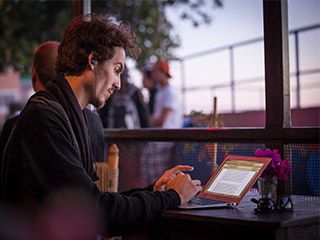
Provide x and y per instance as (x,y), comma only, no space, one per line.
(205,201)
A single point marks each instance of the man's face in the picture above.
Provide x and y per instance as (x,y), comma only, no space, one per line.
(160,77)
(147,81)
(107,78)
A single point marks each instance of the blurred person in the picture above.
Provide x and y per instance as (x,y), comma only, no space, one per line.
(167,109)
(42,72)
(156,156)
(125,108)
(149,83)
(54,154)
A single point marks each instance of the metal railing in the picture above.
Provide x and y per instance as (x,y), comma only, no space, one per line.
(296,33)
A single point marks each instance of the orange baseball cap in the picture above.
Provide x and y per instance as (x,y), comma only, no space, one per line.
(163,66)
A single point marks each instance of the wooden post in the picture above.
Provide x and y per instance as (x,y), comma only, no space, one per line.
(113,168)
(277,75)
(215,145)
(215,113)
(77,8)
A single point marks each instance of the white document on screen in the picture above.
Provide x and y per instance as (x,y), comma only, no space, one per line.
(231,182)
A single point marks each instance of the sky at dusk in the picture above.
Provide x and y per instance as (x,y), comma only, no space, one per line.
(239,21)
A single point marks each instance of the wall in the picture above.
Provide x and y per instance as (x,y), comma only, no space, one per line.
(299,118)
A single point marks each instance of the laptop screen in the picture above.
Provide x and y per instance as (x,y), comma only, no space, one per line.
(234,178)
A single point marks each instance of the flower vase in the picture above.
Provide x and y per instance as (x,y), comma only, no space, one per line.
(267,188)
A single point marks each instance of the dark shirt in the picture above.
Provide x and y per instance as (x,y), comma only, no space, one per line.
(95,131)
(152,98)
(137,99)
(5,133)
(49,152)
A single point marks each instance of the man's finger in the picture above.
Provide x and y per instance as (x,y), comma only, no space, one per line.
(163,180)
(180,168)
(197,182)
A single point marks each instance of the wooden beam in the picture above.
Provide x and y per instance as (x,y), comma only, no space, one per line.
(222,135)
(275,15)
(77,7)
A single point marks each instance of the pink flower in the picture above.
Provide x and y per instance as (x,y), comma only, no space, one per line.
(277,167)
(283,170)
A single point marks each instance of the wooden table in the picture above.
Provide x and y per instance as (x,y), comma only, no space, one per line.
(243,223)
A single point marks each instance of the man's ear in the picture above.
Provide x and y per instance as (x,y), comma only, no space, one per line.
(34,75)
(36,83)
(92,62)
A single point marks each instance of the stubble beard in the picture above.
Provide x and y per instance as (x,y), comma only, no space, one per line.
(95,101)
(93,97)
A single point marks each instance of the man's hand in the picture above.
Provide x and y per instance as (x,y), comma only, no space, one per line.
(185,187)
(161,183)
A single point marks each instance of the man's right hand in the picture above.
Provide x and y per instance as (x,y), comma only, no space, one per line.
(184,186)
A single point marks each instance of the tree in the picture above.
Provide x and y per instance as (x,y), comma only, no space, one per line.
(153,28)
(24,24)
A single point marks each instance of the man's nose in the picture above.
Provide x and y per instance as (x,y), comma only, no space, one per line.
(117,85)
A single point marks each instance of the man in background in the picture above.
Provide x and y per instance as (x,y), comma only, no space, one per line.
(166,114)
(150,84)
(42,72)
(167,108)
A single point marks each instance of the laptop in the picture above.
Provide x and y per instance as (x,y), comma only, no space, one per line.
(229,183)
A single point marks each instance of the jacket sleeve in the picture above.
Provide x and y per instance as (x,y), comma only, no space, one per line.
(124,214)
(134,190)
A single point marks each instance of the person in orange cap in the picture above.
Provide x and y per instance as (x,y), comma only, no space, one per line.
(167,111)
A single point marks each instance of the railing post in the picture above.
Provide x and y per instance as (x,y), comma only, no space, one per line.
(296,43)
(232,84)
(183,85)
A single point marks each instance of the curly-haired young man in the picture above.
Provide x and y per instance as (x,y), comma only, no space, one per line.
(49,149)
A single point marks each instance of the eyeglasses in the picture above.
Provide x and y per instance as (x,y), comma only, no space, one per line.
(265,205)
(285,204)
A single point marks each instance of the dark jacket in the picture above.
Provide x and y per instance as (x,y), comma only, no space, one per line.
(50,151)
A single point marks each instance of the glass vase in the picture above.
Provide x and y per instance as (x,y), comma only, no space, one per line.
(267,187)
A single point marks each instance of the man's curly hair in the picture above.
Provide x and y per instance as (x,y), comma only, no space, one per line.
(92,33)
